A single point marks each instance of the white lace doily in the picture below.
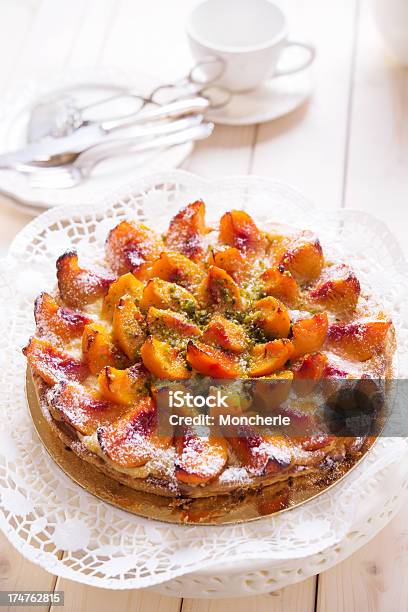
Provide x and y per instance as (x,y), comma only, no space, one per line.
(56,524)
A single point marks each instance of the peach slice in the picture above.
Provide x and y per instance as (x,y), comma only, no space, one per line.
(131,248)
(128,285)
(260,453)
(98,349)
(308,371)
(132,440)
(268,357)
(237,229)
(231,260)
(212,362)
(186,231)
(127,330)
(315,442)
(63,322)
(303,257)
(220,290)
(359,341)
(177,268)
(124,387)
(78,286)
(163,323)
(80,407)
(279,283)
(338,288)
(163,360)
(51,364)
(167,296)
(309,335)
(272,317)
(272,391)
(199,458)
(225,334)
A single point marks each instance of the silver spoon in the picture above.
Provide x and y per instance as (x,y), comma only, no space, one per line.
(70,175)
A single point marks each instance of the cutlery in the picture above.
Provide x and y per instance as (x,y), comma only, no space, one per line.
(61,115)
(53,150)
(70,175)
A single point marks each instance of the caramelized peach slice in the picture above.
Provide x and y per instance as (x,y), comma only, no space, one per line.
(225,334)
(199,458)
(212,362)
(63,322)
(98,349)
(78,286)
(177,268)
(51,364)
(308,371)
(220,290)
(279,283)
(272,391)
(315,442)
(128,285)
(186,231)
(163,360)
(272,317)
(261,454)
(338,288)
(237,229)
(268,357)
(309,335)
(80,407)
(131,248)
(124,387)
(230,260)
(359,341)
(303,257)
(167,296)
(127,330)
(132,440)
(163,323)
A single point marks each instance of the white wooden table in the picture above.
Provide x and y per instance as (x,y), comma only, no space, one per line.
(347,147)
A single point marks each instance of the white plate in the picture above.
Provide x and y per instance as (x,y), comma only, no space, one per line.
(274,99)
(109,175)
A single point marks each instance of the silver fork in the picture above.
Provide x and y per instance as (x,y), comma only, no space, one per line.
(70,175)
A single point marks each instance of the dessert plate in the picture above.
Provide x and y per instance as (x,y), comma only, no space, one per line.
(43,512)
(110,174)
(275,98)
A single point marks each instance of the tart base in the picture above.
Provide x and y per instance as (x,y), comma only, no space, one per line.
(151,499)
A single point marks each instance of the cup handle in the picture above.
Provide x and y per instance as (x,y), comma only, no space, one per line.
(307,61)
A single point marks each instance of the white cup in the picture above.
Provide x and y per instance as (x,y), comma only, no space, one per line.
(248,36)
(392,20)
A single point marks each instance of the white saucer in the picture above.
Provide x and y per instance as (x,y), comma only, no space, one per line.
(275,98)
(109,175)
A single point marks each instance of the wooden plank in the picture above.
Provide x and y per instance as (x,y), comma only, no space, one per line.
(307,148)
(373,579)
(16,573)
(228,151)
(15,23)
(93,32)
(51,37)
(378,155)
(81,598)
(297,598)
(149,37)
